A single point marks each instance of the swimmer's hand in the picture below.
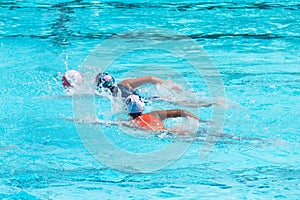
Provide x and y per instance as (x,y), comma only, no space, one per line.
(172,86)
(176,88)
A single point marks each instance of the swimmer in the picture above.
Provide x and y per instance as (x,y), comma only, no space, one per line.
(153,121)
(71,81)
(72,78)
(128,87)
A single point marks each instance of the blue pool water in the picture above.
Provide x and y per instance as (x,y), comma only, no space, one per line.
(255,46)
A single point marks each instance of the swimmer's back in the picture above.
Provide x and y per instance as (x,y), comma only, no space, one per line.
(149,122)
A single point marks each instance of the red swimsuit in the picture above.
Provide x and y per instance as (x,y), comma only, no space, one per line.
(149,122)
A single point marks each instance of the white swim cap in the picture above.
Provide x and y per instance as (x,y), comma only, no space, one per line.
(72,78)
(134,104)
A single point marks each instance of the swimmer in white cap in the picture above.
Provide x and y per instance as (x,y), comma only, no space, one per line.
(72,79)
(153,120)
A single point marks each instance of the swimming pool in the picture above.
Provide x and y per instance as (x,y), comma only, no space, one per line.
(255,47)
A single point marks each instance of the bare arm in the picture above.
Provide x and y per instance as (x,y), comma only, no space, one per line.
(133,83)
(163,114)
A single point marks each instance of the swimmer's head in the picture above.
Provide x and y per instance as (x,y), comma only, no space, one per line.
(104,80)
(72,78)
(134,104)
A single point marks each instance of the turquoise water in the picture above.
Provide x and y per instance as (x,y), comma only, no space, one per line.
(254,45)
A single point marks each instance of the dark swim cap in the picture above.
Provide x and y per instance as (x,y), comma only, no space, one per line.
(104,80)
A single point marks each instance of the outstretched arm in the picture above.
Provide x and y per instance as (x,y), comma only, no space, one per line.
(163,114)
(133,83)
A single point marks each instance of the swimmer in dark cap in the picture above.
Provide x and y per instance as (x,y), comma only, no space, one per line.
(127,86)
